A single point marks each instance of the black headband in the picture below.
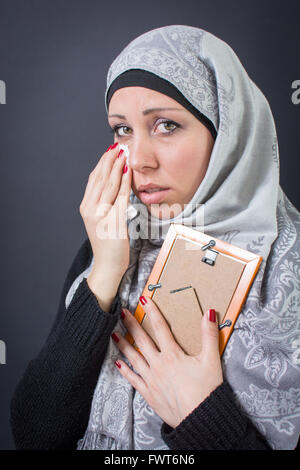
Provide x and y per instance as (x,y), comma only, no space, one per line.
(138,77)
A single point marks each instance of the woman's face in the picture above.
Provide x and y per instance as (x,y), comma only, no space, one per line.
(169,147)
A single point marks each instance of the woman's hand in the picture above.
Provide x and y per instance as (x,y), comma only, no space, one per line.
(172,382)
(103,210)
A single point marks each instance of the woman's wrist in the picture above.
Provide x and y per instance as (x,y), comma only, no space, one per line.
(215,424)
(104,286)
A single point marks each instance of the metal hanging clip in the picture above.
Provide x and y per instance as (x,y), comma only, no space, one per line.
(210,255)
(226,323)
(153,286)
(211,243)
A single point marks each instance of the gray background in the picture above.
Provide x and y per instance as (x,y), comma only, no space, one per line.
(54,56)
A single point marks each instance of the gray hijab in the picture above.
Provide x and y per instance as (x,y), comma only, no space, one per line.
(243,204)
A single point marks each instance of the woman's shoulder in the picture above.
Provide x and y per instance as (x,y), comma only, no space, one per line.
(287,210)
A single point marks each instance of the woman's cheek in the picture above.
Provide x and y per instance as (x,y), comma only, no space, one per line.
(180,162)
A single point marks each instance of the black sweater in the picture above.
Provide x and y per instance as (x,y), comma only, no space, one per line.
(51,404)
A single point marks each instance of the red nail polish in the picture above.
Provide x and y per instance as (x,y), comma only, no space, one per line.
(212,315)
(120,153)
(143,300)
(122,314)
(115,338)
(109,148)
(118,364)
(125,169)
(114,145)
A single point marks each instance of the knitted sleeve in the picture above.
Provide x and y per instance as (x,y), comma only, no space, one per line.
(51,404)
(216,424)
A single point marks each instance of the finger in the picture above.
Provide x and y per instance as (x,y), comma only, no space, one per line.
(209,334)
(136,381)
(135,358)
(125,188)
(98,177)
(162,331)
(113,181)
(141,338)
(108,180)
(115,197)
(122,199)
(107,159)
(119,206)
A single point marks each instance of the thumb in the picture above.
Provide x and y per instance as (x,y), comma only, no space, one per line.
(210,334)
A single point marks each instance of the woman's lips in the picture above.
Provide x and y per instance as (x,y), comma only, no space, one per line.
(153,198)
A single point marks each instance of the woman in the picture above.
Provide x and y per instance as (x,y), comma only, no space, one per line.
(197,127)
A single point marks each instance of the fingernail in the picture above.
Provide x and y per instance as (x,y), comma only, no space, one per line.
(109,148)
(115,338)
(212,315)
(120,153)
(143,300)
(118,364)
(125,169)
(122,314)
(114,145)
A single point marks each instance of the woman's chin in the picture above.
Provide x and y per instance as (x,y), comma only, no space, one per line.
(164,211)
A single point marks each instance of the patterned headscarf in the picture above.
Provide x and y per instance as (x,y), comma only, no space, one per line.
(243,204)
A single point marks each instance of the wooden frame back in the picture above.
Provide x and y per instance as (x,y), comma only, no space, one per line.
(252,262)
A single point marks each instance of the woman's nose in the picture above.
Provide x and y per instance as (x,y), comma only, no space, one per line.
(142,155)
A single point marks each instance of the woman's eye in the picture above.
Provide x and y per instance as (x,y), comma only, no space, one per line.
(121,130)
(167,127)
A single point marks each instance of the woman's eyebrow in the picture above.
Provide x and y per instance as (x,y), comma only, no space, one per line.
(147,111)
